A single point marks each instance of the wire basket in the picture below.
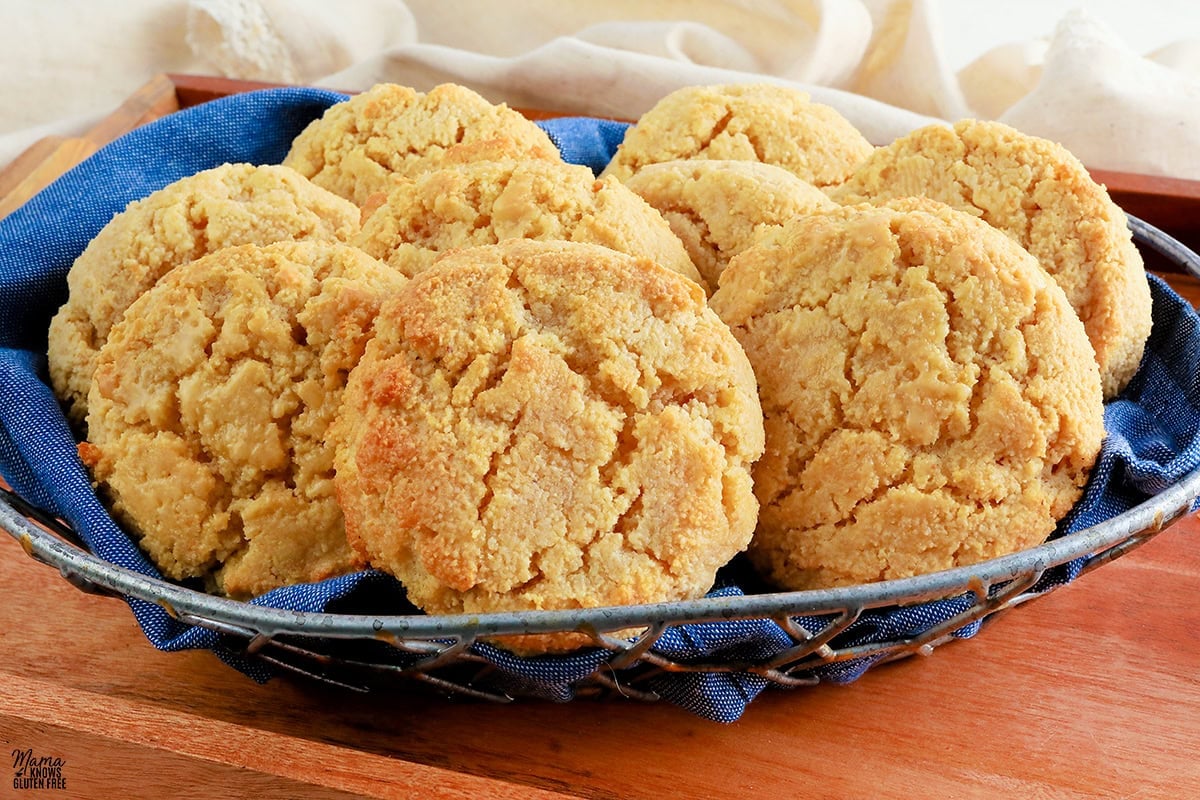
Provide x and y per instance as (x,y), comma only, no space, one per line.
(362,651)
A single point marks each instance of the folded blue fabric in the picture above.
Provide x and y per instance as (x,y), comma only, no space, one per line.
(1152,428)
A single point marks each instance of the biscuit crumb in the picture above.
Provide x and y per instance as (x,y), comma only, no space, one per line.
(717,208)
(208,415)
(930,398)
(1039,194)
(230,205)
(745,122)
(354,148)
(549,425)
(492,201)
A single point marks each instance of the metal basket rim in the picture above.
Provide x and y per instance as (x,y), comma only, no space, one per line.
(1155,513)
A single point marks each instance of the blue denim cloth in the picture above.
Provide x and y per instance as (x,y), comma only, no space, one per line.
(1152,428)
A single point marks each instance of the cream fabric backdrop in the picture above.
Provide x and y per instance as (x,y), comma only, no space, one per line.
(1117,82)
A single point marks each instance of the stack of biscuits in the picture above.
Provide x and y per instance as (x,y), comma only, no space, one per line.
(426,345)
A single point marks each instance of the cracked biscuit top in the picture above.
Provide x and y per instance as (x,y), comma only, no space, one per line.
(230,205)
(718,207)
(207,418)
(930,398)
(1041,196)
(486,202)
(745,122)
(549,425)
(355,147)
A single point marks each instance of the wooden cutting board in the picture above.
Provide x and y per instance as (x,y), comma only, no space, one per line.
(1093,691)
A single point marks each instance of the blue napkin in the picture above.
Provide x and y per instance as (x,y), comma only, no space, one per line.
(1152,428)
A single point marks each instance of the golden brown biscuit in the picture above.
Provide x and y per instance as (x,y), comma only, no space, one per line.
(930,397)
(355,147)
(717,207)
(1039,194)
(210,405)
(490,201)
(549,425)
(230,205)
(745,122)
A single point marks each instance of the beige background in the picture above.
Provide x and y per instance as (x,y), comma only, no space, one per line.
(1117,82)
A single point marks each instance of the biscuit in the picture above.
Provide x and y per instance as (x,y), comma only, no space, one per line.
(549,425)
(230,205)
(355,147)
(930,398)
(490,201)
(744,122)
(717,208)
(1039,194)
(208,415)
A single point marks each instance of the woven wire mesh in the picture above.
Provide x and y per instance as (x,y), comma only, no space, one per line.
(361,652)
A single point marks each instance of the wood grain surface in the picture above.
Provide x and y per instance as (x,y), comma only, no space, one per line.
(51,157)
(1092,691)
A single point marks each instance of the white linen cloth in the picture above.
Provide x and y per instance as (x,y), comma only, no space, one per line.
(884,64)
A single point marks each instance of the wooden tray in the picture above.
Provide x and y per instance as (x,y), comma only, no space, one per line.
(1107,706)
